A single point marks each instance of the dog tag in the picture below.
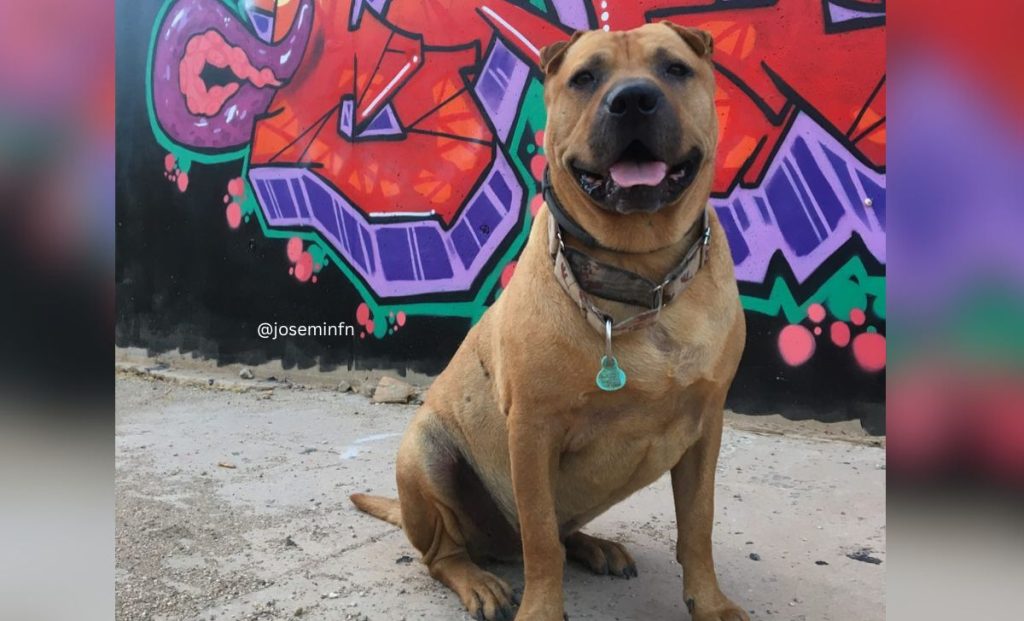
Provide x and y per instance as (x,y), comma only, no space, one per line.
(610,378)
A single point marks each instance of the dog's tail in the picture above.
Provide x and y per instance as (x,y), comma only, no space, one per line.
(386,509)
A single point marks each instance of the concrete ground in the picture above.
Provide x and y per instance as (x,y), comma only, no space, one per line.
(233,505)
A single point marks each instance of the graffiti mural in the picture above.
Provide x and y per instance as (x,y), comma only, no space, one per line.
(399,143)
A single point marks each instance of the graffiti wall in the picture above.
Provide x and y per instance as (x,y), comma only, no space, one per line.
(377,161)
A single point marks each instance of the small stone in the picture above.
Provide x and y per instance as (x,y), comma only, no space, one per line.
(754,556)
(367,387)
(864,556)
(820,563)
(344,386)
(246,373)
(391,390)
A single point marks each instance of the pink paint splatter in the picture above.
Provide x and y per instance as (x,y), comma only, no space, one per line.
(869,350)
(236,187)
(294,249)
(816,313)
(535,204)
(817,330)
(401,318)
(234,215)
(182,181)
(369,326)
(170,162)
(362,313)
(796,345)
(857,317)
(840,333)
(537,164)
(304,267)
(506,274)
(539,138)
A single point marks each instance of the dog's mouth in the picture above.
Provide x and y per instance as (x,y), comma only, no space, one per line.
(635,169)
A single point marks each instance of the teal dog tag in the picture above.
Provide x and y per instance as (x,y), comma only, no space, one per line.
(610,378)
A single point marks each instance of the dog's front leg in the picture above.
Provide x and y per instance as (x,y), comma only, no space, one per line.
(693,487)
(534,444)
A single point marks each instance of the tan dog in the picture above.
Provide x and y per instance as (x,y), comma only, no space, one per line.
(516,448)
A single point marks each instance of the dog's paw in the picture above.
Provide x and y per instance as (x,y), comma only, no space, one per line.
(602,557)
(487,597)
(724,611)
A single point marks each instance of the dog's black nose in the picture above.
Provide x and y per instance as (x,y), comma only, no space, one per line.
(633,97)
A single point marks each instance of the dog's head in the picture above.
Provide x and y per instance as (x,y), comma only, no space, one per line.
(631,122)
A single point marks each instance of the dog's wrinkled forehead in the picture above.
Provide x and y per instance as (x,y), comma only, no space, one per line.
(638,48)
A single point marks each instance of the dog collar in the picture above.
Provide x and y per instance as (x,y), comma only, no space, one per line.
(586,279)
(564,220)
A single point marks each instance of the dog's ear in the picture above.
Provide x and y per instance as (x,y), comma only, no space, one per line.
(699,40)
(551,56)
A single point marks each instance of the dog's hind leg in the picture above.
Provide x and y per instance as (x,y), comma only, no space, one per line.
(436,524)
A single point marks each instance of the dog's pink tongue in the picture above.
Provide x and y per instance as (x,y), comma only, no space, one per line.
(628,174)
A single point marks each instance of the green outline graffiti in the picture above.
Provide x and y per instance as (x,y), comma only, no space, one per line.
(531,113)
(848,288)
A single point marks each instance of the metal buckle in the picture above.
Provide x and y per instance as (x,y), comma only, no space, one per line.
(608,337)
(659,296)
(704,245)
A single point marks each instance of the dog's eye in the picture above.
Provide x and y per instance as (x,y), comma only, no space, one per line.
(678,70)
(582,79)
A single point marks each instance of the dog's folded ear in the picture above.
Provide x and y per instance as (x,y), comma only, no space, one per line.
(551,56)
(699,40)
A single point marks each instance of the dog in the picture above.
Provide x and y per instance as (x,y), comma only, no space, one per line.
(626,274)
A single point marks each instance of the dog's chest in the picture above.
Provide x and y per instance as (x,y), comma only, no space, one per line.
(645,425)
(615,446)
(657,405)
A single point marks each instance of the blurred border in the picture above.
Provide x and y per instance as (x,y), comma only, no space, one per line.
(56,249)
(956,301)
